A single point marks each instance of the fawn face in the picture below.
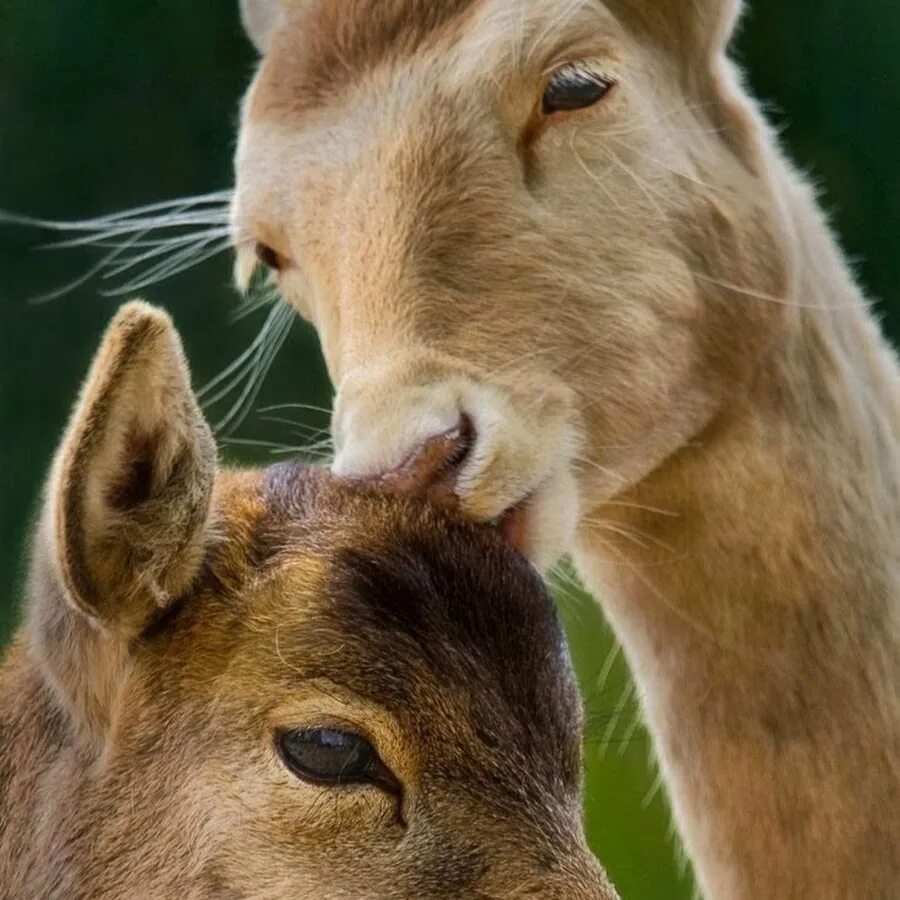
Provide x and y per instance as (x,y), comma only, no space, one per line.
(281,685)
(539,219)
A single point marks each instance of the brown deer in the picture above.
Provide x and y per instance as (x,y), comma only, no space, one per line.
(565,226)
(269,684)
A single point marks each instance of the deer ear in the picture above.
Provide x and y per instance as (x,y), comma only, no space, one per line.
(126,515)
(261,19)
(130,492)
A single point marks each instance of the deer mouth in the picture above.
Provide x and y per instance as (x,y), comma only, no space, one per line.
(499,457)
(432,472)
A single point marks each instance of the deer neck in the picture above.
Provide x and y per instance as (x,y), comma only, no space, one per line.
(753,581)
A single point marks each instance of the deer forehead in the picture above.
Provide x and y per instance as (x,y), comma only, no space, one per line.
(323,51)
(402,101)
(431,625)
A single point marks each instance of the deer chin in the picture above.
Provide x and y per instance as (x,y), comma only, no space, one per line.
(496,455)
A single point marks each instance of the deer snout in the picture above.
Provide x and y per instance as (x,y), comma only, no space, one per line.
(384,423)
(496,454)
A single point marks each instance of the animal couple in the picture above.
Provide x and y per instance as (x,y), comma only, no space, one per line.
(573,298)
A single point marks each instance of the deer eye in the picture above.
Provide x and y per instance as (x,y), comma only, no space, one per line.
(575,86)
(330,757)
(269,258)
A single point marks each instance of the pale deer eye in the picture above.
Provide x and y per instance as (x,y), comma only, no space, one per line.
(331,757)
(575,86)
(269,257)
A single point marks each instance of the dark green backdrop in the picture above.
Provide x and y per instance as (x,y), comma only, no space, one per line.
(106,104)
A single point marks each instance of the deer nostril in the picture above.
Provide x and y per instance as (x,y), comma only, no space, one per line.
(432,469)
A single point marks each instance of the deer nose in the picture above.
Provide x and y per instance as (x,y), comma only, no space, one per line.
(430,472)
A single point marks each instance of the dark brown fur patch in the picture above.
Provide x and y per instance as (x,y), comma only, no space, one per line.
(461,609)
(136,482)
(424,605)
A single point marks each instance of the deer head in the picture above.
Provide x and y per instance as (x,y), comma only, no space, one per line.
(538,218)
(272,683)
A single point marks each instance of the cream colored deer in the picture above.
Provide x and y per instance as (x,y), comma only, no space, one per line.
(565,225)
(271,685)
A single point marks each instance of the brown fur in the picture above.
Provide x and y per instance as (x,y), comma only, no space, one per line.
(663,354)
(211,608)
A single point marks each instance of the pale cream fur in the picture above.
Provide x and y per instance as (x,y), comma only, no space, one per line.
(662,351)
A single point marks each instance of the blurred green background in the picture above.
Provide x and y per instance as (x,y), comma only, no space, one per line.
(105,105)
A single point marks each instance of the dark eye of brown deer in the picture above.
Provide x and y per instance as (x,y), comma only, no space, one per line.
(575,86)
(331,757)
(269,257)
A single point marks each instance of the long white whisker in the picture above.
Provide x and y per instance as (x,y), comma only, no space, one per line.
(139,244)
(128,230)
(642,185)
(242,362)
(181,262)
(255,300)
(620,530)
(161,248)
(681,174)
(653,790)
(301,427)
(608,664)
(266,445)
(245,401)
(282,320)
(642,506)
(145,225)
(99,222)
(603,470)
(76,283)
(613,723)
(307,406)
(635,535)
(630,730)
